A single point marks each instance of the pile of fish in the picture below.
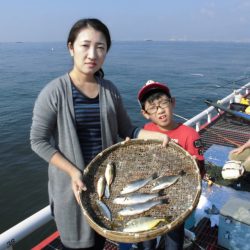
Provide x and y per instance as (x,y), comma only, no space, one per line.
(103,188)
(135,203)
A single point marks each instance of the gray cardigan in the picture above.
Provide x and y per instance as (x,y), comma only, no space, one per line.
(53,129)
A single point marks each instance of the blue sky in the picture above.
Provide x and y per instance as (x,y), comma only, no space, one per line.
(202,20)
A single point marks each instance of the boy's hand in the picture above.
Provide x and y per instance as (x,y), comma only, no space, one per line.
(146,134)
(165,141)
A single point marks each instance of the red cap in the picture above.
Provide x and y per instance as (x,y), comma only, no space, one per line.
(151,85)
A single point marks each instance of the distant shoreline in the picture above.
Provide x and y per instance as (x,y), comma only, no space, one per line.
(145,40)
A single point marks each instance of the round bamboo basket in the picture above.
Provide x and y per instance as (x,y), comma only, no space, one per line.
(134,160)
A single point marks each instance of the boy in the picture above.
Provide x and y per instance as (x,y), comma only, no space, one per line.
(157,105)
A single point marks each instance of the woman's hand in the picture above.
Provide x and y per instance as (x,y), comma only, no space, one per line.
(126,139)
(75,174)
(77,184)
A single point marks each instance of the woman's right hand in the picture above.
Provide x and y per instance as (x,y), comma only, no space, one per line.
(75,174)
(77,183)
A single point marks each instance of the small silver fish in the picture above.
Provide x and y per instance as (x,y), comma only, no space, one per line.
(164,182)
(135,198)
(137,184)
(142,224)
(139,208)
(104,210)
(109,176)
(100,187)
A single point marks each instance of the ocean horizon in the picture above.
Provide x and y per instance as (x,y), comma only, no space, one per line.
(144,40)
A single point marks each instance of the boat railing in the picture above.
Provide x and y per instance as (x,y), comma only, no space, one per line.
(15,234)
(205,117)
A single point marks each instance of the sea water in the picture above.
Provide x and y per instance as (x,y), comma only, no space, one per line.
(194,71)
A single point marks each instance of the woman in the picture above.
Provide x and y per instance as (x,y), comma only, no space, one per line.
(75,117)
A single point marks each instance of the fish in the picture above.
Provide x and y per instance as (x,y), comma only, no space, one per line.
(164,182)
(101,187)
(104,210)
(142,224)
(109,176)
(139,208)
(137,184)
(135,198)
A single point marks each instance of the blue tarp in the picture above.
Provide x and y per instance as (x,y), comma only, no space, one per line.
(217,154)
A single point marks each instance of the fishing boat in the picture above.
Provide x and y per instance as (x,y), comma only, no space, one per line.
(212,224)
(222,127)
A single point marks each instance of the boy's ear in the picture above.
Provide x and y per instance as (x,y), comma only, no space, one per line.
(145,114)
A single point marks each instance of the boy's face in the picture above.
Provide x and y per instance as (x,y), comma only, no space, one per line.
(160,111)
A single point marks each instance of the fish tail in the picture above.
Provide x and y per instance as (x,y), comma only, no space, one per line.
(168,218)
(164,201)
(107,191)
(182,173)
(154,175)
(160,193)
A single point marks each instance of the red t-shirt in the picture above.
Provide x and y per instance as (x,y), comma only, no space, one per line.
(184,136)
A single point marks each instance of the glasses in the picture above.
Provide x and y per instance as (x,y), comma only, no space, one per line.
(153,109)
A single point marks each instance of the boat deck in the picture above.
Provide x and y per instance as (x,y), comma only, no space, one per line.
(54,242)
(206,239)
(207,236)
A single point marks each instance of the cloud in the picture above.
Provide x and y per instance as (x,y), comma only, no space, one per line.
(243,20)
(208,12)
(242,12)
(244,4)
